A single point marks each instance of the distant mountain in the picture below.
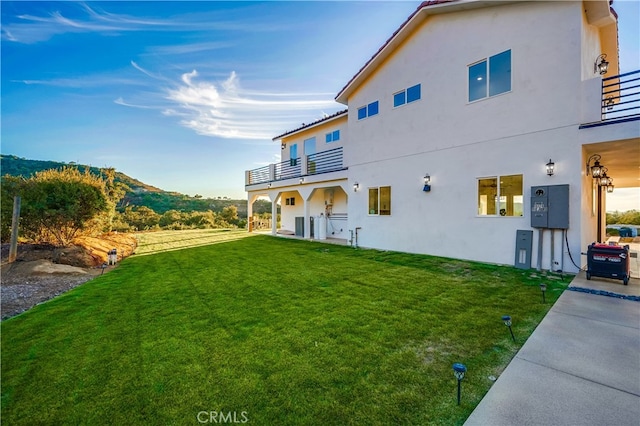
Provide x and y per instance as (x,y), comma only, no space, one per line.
(140,194)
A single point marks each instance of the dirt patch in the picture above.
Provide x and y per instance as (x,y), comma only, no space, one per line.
(43,271)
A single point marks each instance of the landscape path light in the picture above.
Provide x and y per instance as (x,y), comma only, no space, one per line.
(507,321)
(543,288)
(458,371)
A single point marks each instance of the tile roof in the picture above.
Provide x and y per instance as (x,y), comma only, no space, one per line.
(304,126)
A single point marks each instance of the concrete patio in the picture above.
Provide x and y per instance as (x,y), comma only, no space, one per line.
(581,366)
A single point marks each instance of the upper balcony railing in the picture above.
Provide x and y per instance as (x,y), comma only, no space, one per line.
(288,169)
(621,96)
(313,164)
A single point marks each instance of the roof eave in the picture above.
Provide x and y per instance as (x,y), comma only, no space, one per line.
(304,127)
(426,9)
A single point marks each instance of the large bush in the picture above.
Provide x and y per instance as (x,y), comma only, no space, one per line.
(59,205)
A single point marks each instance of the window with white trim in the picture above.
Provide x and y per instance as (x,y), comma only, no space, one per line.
(380,201)
(500,196)
(406,96)
(332,136)
(490,77)
(368,110)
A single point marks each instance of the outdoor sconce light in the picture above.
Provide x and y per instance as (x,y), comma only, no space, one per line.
(283,146)
(301,180)
(458,371)
(610,186)
(427,182)
(603,180)
(596,169)
(269,185)
(602,65)
(543,288)
(550,167)
(356,186)
(608,103)
(507,321)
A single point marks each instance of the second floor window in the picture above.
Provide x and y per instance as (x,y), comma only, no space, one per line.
(407,96)
(293,154)
(332,136)
(490,77)
(368,110)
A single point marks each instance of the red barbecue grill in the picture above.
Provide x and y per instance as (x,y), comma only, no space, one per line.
(608,262)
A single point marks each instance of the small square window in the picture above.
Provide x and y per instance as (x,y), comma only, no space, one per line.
(413,93)
(362,113)
(399,99)
(328,138)
(372,108)
(336,135)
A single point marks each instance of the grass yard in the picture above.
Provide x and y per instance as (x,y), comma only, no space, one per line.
(161,241)
(269,331)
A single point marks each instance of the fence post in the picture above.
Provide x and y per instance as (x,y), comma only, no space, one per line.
(15,220)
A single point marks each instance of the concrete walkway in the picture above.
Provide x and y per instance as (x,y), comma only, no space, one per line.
(581,366)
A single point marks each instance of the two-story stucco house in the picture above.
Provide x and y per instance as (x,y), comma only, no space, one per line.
(472,133)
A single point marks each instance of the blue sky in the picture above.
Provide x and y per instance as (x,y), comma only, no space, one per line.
(185,96)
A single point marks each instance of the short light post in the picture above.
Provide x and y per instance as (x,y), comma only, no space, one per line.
(543,288)
(104,266)
(507,321)
(458,371)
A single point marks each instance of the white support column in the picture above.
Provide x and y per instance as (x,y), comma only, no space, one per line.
(303,166)
(274,214)
(307,222)
(250,200)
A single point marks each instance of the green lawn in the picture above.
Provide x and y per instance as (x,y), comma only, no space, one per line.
(273,331)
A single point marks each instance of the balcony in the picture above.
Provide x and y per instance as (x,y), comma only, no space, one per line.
(308,165)
(620,99)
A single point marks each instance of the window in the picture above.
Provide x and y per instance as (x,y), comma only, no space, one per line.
(332,136)
(500,195)
(310,146)
(368,111)
(290,201)
(293,154)
(380,201)
(406,96)
(490,76)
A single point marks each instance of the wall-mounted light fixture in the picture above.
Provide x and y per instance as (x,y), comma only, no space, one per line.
(609,103)
(283,146)
(356,186)
(269,185)
(301,180)
(427,183)
(602,65)
(551,167)
(603,180)
(610,186)
(596,169)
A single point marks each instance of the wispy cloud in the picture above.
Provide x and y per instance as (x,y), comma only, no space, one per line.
(225,110)
(30,28)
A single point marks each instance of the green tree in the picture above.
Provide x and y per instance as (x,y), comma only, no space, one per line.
(59,205)
(230,214)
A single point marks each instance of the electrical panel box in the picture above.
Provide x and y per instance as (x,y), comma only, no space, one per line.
(550,206)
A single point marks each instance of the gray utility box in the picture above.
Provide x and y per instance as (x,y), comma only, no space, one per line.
(550,206)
